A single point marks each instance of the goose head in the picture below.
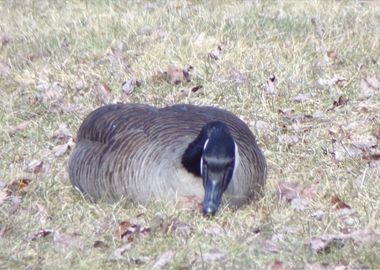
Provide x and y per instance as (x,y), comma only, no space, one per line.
(213,156)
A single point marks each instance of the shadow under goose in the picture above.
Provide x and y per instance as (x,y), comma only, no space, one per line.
(143,154)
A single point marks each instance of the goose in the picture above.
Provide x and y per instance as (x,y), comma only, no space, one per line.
(143,154)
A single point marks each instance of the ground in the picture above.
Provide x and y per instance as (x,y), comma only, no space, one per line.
(304,76)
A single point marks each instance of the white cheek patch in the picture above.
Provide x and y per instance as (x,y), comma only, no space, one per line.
(204,147)
(237,158)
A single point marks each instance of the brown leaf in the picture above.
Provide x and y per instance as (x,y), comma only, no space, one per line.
(337,203)
(372,157)
(191,202)
(62,135)
(117,254)
(62,149)
(40,234)
(192,91)
(369,87)
(336,80)
(128,231)
(129,86)
(163,260)
(270,86)
(100,244)
(103,93)
(342,100)
(331,54)
(20,127)
(176,75)
(35,166)
(287,191)
(325,243)
(279,265)
(18,185)
(216,54)
(290,115)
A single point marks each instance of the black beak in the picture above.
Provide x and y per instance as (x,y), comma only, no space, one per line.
(213,196)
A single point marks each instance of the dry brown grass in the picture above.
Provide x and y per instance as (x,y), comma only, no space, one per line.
(43,42)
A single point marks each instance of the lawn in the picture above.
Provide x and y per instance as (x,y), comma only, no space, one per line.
(303,75)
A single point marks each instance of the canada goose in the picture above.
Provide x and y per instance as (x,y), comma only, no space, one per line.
(144,153)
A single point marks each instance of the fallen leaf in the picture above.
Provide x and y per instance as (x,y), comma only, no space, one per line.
(331,54)
(290,115)
(128,231)
(163,260)
(342,100)
(337,203)
(20,127)
(179,227)
(325,243)
(61,149)
(129,86)
(216,54)
(191,202)
(270,85)
(35,166)
(18,185)
(117,254)
(62,135)
(279,265)
(192,91)
(176,75)
(40,234)
(336,80)
(369,87)
(100,244)
(304,97)
(287,191)
(103,93)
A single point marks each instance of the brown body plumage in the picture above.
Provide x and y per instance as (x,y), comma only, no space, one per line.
(135,151)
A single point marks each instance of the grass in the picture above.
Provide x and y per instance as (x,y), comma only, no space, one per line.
(70,43)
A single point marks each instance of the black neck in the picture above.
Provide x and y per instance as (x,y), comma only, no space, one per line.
(217,133)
